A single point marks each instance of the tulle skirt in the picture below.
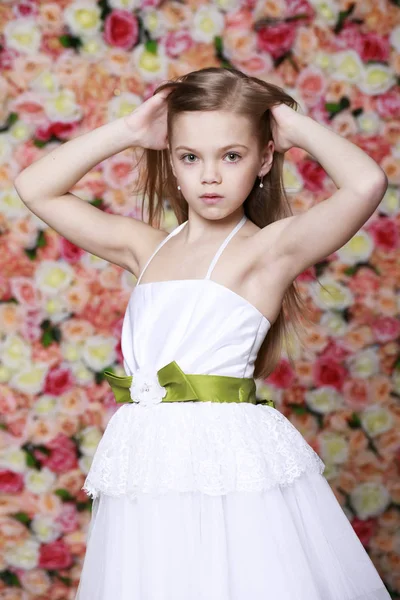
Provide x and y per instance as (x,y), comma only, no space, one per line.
(291,542)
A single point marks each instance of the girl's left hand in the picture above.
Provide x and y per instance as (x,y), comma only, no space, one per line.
(283,126)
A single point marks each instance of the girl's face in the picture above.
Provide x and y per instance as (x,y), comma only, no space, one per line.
(216,152)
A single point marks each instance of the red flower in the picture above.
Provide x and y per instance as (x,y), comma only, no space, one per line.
(10,482)
(374,47)
(313,175)
(384,233)
(276,39)
(283,376)
(55,555)
(121,29)
(328,372)
(58,381)
(364,529)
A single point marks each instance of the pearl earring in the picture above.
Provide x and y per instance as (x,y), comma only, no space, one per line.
(179,187)
(261,182)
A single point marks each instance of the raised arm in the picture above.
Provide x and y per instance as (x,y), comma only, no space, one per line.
(44,187)
(309,237)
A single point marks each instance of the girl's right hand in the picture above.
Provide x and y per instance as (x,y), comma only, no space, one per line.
(148,122)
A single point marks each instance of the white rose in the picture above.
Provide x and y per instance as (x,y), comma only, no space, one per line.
(45,528)
(369,499)
(24,555)
(39,482)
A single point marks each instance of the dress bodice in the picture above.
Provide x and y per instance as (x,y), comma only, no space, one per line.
(204,326)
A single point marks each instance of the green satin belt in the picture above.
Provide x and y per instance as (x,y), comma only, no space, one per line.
(182,387)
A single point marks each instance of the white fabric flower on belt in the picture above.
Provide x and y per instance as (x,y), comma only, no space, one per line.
(145,387)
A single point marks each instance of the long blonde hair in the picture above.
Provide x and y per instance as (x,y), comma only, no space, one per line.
(230,90)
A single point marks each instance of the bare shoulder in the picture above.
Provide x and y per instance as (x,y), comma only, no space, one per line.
(143,240)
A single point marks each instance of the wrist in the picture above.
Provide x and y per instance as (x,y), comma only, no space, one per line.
(297,130)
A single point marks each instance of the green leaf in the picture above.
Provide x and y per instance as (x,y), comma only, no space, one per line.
(64,495)
(22,517)
(151,46)
(10,578)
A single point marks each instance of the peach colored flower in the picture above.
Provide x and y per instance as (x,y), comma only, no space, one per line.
(76,330)
(306,423)
(76,541)
(347,481)
(67,424)
(72,481)
(390,164)
(42,429)
(175,15)
(49,504)
(344,124)
(356,393)
(306,44)
(199,56)
(50,18)
(77,297)
(10,317)
(11,532)
(391,132)
(358,338)
(239,43)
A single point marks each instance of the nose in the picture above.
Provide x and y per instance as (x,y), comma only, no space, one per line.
(210,175)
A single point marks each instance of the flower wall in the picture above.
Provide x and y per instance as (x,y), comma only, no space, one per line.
(67,67)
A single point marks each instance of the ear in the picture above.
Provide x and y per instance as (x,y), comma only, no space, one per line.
(267,157)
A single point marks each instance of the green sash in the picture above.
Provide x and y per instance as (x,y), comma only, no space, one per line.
(182,387)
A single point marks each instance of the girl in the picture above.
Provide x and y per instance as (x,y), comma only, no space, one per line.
(201,491)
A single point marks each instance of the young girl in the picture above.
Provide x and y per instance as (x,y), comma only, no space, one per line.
(202,491)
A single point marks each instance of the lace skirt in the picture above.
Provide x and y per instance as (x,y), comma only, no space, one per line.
(207,501)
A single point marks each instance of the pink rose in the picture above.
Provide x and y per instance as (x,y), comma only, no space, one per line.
(388,104)
(312,85)
(68,518)
(24,8)
(55,555)
(276,39)
(328,372)
(313,174)
(62,456)
(241,19)
(356,393)
(300,7)
(386,329)
(177,42)
(348,38)
(25,292)
(283,375)
(385,233)
(70,252)
(121,29)
(335,352)
(364,282)
(58,381)
(10,482)
(373,47)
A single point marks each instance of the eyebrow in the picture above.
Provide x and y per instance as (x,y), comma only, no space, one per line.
(223,148)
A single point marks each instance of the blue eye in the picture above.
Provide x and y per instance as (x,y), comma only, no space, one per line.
(229,154)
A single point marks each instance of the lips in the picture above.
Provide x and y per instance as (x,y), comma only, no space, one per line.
(211,196)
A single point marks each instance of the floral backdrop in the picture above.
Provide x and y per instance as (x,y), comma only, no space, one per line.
(67,67)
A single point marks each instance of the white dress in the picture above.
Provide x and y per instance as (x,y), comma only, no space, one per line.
(208,500)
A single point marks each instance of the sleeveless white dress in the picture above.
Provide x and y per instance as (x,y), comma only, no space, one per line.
(208,500)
